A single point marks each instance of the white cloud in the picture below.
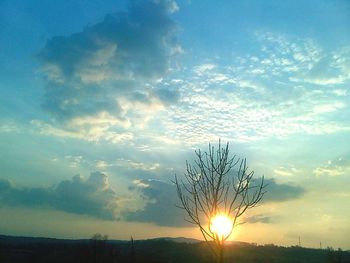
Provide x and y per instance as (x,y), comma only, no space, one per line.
(272,106)
(328,171)
(287,171)
(129,164)
(9,127)
(141,183)
(92,133)
(100,164)
(201,69)
(74,161)
(242,115)
(340,92)
(337,167)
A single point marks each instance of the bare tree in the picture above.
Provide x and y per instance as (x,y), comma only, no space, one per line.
(218,184)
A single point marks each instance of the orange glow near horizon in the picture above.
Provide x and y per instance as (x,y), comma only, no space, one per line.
(221,225)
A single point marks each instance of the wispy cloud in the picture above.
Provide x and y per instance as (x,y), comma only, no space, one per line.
(286,171)
(332,69)
(336,167)
(258,219)
(93,133)
(9,127)
(128,164)
(256,96)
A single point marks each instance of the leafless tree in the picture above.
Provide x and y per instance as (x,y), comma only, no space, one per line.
(217,183)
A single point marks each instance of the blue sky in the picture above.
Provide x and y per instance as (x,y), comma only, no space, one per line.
(102,103)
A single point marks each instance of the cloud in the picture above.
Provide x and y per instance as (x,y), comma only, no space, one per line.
(259,95)
(125,56)
(303,60)
(284,171)
(160,207)
(9,128)
(333,69)
(151,200)
(258,219)
(322,73)
(92,196)
(245,115)
(336,167)
(89,132)
(262,94)
(134,169)
(133,165)
(280,192)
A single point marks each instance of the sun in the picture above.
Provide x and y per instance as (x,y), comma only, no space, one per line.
(221,225)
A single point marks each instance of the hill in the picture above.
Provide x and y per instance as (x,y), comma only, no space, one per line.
(170,250)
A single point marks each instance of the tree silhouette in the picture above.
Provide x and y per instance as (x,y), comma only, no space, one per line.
(217,184)
(98,242)
(132,250)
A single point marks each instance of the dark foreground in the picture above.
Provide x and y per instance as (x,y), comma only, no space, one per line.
(19,249)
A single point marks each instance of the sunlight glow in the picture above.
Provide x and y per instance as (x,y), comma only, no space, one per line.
(221,225)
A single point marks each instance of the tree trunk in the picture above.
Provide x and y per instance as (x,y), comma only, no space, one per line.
(221,254)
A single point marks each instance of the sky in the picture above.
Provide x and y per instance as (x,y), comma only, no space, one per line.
(103,102)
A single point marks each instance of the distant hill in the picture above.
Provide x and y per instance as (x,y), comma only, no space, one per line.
(157,250)
(21,239)
(178,239)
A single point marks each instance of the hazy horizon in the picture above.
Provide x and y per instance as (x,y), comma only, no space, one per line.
(102,104)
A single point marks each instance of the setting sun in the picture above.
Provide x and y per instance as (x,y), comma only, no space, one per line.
(221,225)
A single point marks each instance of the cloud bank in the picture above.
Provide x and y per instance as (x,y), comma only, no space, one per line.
(92,196)
(95,197)
(160,209)
(277,192)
